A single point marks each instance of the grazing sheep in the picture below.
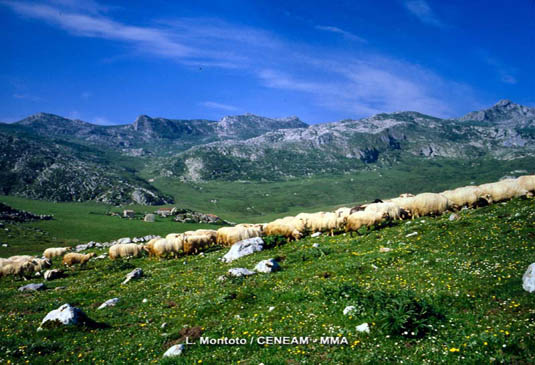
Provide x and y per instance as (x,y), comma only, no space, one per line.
(502,190)
(289,227)
(197,243)
(164,247)
(363,219)
(423,204)
(73,258)
(527,182)
(392,210)
(227,236)
(324,222)
(467,196)
(343,212)
(22,265)
(429,204)
(126,250)
(52,252)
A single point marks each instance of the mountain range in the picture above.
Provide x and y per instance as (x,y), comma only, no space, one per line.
(45,156)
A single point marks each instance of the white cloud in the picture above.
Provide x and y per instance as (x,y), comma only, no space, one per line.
(215,105)
(340,81)
(346,34)
(422,10)
(504,73)
(27,97)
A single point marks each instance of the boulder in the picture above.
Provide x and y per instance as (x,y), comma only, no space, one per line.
(124,240)
(528,280)
(267,266)
(53,274)
(363,328)
(109,303)
(132,275)
(65,315)
(150,218)
(240,271)
(175,350)
(32,287)
(350,309)
(244,248)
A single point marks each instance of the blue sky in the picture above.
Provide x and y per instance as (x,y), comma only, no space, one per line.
(108,62)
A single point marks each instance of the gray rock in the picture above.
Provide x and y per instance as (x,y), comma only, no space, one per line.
(240,271)
(109,303)
(363,328)
(244,248)
(350,309)
(65,315)
(4,245)
(412,234)
(175,350)
(267,266)
(101,257)
(81,247)
(134,274)
(150,218)
(221,278)
(316,245)
(317,234)
(124,240)
(32,287)
(528,280)
(53,274)
(453,217)
(149,237)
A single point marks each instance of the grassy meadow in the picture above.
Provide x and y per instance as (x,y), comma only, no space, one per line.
(451,293)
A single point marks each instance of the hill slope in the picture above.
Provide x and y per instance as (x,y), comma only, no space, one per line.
(451,293)
(174,154)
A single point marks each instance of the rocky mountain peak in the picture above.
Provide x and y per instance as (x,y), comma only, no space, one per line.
(504,112)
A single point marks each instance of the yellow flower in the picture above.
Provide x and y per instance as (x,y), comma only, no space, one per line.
(453,349)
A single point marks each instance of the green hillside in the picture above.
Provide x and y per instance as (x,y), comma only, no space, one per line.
(451,293)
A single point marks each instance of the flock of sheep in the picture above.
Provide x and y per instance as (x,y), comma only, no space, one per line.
(293,228)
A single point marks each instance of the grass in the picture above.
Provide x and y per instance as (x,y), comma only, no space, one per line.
(451,293)
(265,201)
(76,223)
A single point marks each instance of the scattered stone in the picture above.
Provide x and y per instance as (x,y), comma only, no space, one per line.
(32,287)
(412,234)
(175,350)
(244,248)
(66,315)
(145,300)
(53,274)
(528,280)
(239,272)
(363,328)
(385,249)
(270,309)
(374,267)
(517,215)
(164,325)
(314,235)
(134,274)
(316,245)
(4,245)
(350,309)
(109,303)
(222,278)
(149,237)
(151,218)
(124,240)
(267,266)
(100,257)
(58,288)
(453,217)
